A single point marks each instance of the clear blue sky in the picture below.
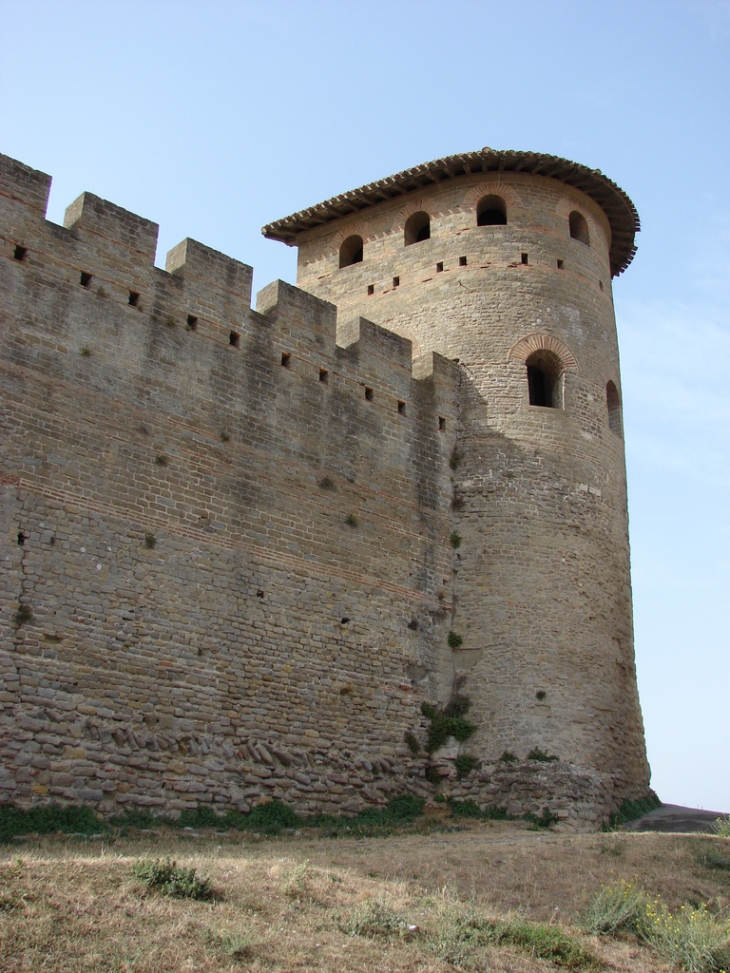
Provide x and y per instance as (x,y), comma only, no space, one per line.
(213,118)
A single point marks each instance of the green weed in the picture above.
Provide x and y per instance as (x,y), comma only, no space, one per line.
(447,722)
(689,938)
(23,615)
(631,810)
(47,819)
(615,908)
(411,741)
(164,876)
(470,809)
(721,827)
(537,754)
(464,764)
(539,821)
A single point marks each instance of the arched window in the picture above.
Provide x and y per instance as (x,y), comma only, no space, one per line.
(544,379)
(579,227)
(351,251)
(613,405)
(491,211)
(418,227)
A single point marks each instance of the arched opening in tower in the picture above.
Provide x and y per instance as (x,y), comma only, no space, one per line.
(491,211)
(351,251)
(417,228)
(544,379)
(579,227)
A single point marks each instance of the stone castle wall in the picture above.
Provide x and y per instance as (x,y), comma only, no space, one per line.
(226,567)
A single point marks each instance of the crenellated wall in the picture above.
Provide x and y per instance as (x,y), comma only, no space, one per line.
(217,550)
(227,570)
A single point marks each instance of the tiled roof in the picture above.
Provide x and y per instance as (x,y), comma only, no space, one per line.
(614,202)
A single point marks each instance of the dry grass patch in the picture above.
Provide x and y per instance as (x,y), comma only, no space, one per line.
(494,896)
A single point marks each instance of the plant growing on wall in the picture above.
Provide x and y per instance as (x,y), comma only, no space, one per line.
(447,722)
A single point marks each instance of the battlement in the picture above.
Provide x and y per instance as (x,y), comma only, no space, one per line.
(108,251)
(24,186)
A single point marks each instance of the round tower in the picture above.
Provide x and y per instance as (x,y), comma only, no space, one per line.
(503,261)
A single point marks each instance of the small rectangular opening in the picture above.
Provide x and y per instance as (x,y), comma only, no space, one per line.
(524,258)
(439,267)
(371,288)
(396,282)
(442,424)
(401,407)
(20,252)
(285,359)
(192,322)
(323,375)
(133,299)
(600,284)
(234,338)
(561,264)
(368,394)
(462,261)
(85,279)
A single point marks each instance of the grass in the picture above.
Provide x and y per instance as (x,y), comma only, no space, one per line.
(375,920)
(465,934)
(494,896)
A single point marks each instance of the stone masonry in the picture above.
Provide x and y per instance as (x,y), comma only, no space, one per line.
(241,548)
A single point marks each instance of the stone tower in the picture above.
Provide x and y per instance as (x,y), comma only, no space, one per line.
(502,262)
